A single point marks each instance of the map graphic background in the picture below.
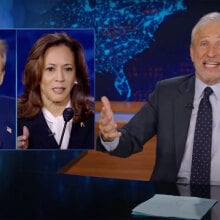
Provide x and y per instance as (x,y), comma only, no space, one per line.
(138,42)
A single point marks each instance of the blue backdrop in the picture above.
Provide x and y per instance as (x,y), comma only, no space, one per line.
(8,87)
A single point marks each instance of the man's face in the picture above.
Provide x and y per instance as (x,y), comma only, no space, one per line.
(2,71)
(205,53)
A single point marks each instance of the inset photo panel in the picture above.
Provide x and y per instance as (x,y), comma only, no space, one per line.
(55,89)
(7,89)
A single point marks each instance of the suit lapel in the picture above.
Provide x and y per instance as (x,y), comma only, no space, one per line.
(46,135)
(183,106)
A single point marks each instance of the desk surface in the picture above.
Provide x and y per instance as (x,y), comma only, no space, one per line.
(30,188)
(99,164)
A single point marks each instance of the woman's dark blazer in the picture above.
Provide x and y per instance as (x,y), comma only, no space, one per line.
(167,115)
(41,137)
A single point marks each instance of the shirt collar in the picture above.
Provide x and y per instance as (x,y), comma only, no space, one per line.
(49,117)
(200,86)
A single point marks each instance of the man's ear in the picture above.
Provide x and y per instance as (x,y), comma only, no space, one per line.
(191,53)
(2,74)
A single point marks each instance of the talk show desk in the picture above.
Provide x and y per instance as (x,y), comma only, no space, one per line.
(34,186)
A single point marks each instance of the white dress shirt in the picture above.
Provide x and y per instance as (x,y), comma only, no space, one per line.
(56,125)
(185,169)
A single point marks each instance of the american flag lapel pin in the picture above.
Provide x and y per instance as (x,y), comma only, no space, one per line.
(9,130)
(82,124)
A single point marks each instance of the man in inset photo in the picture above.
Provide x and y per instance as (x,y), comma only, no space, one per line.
(7,106)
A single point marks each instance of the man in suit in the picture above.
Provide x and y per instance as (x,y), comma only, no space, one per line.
(171,112)
(7,108)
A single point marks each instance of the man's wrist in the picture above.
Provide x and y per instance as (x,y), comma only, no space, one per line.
(104,139)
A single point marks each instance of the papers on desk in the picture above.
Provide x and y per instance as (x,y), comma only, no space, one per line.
(181,207)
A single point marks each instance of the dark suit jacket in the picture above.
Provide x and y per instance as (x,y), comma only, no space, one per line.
(41,137)
(7,123)
(167,115)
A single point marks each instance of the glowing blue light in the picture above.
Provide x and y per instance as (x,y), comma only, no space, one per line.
(123,29)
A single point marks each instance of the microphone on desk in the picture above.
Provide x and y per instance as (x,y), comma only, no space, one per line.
(67,116)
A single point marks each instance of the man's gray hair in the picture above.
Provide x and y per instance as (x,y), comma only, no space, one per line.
(208,18)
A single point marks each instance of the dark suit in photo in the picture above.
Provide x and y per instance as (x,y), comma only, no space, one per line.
(7,123)
(41,137)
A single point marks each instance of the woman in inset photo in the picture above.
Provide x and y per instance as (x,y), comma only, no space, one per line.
(56,109)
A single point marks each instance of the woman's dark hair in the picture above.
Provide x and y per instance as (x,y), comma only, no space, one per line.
(30,102)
